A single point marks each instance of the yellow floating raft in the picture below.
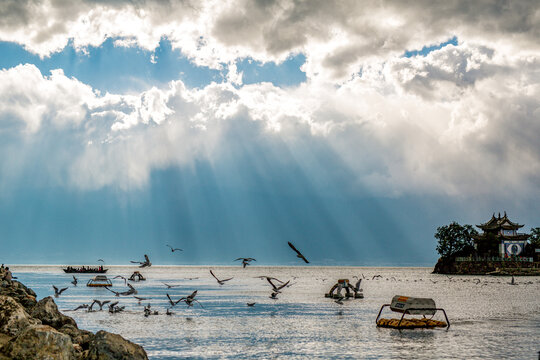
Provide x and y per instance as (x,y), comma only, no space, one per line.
(411,323)
(407,305)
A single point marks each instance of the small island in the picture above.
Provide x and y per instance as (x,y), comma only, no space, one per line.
(498,250)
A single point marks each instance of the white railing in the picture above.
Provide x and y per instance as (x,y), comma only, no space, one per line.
(495,258)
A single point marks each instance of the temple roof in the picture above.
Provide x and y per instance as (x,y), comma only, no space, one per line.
(499,222)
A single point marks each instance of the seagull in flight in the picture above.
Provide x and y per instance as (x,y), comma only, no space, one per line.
(298,253)
(83,306)
(245,261)
(100,304)
(121,277)
(57,292)
(131,291)
(144,263)
(170,286)
(190,299)
(140,299)
(100,260)
(277,289)
(268,277)
(220,282)
(74,282)
(171,300)
(174,249)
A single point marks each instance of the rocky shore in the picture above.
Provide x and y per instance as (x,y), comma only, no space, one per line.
(453,267)
(31,329)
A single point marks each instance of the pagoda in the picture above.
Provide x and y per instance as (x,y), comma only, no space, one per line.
(504,233)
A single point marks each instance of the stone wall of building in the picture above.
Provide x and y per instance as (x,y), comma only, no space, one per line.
(451,266)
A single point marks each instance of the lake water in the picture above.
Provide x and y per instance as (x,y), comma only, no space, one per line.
(489,320)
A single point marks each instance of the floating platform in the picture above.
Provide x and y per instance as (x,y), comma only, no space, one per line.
(99,281)
(407,305)
(346,296)
(351,292)
(411,323)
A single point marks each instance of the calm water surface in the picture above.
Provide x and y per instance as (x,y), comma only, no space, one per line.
(491,319)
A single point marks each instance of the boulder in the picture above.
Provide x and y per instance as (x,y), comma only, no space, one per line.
(107,346)
(78,336)
(47,311)
(24,296)
(13,317)
(40,342)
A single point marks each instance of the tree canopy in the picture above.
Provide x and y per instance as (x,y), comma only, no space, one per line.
(534,239)
(454,239)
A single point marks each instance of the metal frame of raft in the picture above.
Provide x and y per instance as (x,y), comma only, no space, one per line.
(402,304)
(99,281)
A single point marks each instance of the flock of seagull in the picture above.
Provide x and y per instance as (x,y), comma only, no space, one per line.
(276,285)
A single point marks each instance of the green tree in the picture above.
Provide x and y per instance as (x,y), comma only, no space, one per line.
(454,239)
(534,239)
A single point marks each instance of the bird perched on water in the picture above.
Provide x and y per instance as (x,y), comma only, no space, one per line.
(114,308)
(220,282)
(144,263)
(298,253)
(74,282)
(174,249)
(100,304)
(357,285)
(57,292)
(250,304)
(245,261)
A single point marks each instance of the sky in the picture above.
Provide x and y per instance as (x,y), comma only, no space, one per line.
(227,128)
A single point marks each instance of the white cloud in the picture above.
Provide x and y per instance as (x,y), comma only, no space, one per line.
(462,121)
(338,38)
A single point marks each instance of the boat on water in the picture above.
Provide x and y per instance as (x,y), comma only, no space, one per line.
(85,270)
(99,281)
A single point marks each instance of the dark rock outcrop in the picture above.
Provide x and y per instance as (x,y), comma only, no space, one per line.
(41,342)
(13,316)
(24,296)
(107,346)
(38,330)
(47,311)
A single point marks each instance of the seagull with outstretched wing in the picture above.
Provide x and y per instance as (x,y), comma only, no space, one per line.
(144,263)
(220,282)
(99,303)
(298,253)
(246,261)
(277,289)
(57,292)
(174,249)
